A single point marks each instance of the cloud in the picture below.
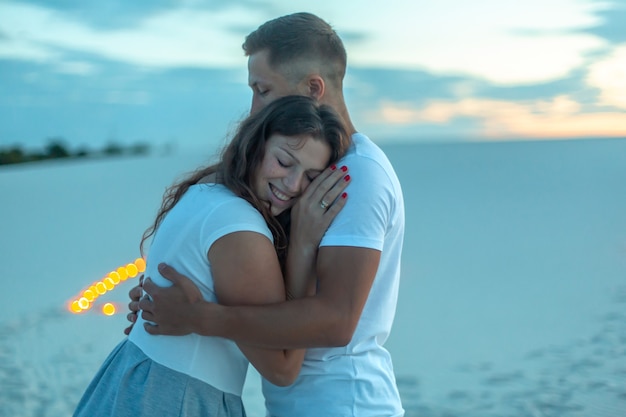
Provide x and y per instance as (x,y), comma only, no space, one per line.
(120,13)
(496,68)
(611,27)
(193,106)
(365,84)
(75,67)
(181,37)
(504,42)
(609,76)
(560,117)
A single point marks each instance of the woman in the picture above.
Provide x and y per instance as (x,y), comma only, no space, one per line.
(228,225)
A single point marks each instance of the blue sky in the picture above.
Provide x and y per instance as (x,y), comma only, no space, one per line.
(173,72)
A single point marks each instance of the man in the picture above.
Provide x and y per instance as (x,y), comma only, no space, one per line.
(347,371)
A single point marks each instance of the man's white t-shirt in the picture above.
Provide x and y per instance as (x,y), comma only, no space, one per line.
(357,379)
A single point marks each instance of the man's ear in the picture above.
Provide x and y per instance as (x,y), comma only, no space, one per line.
(316,87)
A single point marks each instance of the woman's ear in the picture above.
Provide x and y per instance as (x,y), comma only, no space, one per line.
(316,87)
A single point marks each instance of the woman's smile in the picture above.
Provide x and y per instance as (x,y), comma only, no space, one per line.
(278,194)
(288,167)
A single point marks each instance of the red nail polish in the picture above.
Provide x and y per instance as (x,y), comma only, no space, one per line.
(344,195)
(333,167)
(346,178)
(344,168)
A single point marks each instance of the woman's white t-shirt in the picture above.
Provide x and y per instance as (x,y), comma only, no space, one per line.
(205,213)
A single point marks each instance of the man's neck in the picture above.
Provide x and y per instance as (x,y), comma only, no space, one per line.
(340,107)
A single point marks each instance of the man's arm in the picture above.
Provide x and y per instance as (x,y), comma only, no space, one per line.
(328,318)
(308,224)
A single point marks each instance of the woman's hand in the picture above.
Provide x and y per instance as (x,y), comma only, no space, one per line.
(317,207)
(310,218)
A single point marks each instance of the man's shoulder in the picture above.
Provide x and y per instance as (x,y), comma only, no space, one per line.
(367,158)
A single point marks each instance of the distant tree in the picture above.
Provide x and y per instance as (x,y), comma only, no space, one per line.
(56,149)
(82,153)
(140,149)
(113,149)
(12,155)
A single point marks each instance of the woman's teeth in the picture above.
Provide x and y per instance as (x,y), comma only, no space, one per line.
(278,194)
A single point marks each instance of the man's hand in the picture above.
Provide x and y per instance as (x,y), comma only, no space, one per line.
(134,294)
(171,308)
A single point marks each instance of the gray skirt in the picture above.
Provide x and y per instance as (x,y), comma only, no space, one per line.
(131,384)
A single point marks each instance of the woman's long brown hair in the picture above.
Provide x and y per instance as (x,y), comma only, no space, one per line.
(291,116)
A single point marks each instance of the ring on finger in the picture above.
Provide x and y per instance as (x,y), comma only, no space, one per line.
(323,204)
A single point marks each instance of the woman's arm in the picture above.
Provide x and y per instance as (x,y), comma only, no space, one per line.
(310,218)
(246,272)
(171,307)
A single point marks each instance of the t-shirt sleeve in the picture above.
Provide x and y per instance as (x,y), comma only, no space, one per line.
(234,215)
(363,221)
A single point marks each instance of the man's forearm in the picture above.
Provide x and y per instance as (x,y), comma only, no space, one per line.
(329,318)
(302,323)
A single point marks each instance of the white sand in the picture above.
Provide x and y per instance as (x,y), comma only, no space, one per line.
(513,299)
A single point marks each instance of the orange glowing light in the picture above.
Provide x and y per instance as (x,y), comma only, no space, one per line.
(101,288)
(141,264)
(89,295)
(115,277)
(132,270)
(108,283)
(83,303)
(122,273)
(74,307)
(108,309)
(86,299)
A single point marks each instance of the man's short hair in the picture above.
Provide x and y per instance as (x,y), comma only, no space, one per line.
(298,43)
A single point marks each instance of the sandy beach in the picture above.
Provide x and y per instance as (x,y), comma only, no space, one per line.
(513,294)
